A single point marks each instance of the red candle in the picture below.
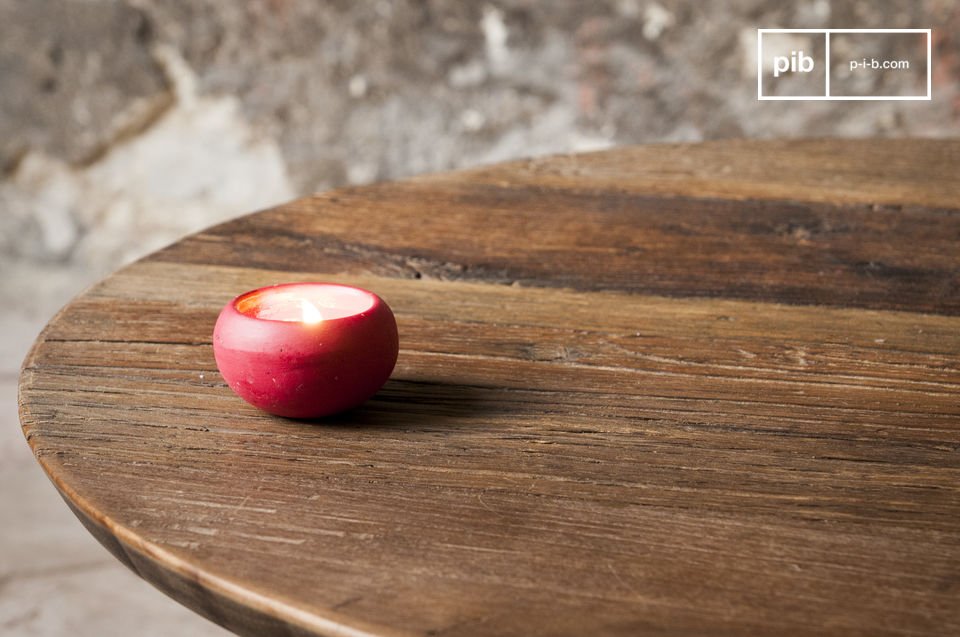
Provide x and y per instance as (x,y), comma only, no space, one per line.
(305,350)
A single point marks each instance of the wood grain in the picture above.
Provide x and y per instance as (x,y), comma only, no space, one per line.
(672,390)
(546,223)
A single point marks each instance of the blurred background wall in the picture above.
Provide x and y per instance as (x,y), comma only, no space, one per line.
(125,124)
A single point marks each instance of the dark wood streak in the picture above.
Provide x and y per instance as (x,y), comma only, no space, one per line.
(850,255)
(672,390)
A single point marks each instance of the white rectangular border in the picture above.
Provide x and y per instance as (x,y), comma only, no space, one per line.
(841,98)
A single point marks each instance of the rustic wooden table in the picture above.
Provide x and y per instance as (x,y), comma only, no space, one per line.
(671,390)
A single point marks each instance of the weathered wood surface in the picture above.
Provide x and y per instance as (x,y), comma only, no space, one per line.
(671,390)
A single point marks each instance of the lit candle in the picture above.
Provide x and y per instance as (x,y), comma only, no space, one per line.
(305,350)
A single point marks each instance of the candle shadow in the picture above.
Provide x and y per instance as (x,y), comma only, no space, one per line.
(421,406)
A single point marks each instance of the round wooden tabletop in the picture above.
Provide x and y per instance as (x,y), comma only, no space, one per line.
(675,390)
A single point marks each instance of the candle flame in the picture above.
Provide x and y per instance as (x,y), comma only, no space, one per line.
(310,312)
